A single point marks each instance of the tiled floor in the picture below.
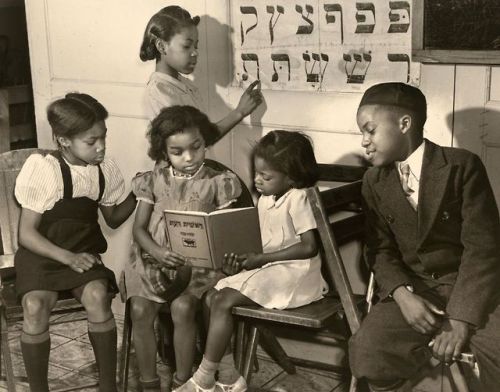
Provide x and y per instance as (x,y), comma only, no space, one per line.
(72,363)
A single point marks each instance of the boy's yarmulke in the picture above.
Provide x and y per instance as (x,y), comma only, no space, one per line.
(395,94)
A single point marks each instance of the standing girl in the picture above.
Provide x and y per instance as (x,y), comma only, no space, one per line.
(286,275)
(171,39)
(60,240)
(178,139)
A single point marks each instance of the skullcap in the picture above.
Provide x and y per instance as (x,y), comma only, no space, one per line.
(395,94)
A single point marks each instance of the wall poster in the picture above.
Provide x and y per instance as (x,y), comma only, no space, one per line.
(322,45)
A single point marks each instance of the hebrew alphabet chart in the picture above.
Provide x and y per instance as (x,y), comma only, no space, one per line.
(322,45)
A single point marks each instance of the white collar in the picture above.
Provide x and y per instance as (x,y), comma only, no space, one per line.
(414,161)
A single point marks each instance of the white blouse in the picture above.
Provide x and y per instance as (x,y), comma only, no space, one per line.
(39,184)
(283,221)
(164,90)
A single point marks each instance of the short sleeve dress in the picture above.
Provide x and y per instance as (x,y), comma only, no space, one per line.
(289,283)
(206,191)
(164,90)
(67,196)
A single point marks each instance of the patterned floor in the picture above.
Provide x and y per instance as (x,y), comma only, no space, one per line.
(72,363)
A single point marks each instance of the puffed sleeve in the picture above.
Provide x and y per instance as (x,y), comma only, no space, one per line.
(142,186)
(115,184)
(161,95)
(38,185)
(228,189)
(300,212)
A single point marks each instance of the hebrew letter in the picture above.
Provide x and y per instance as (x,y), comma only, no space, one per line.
(364,9)
(250,57)
(330,18)
(270,10)
(400,12)
(401,57)
(359,75)
(248,11)
(305,29)
(279,57)
(311,76)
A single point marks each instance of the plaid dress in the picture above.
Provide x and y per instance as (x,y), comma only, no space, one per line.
(207,191)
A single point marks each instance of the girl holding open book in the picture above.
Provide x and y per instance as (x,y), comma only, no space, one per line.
(286,275)
(180,180)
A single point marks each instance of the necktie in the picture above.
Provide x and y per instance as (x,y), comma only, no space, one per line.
(405,171)
(405,178)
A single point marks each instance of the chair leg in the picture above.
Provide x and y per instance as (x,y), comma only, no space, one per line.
(253,340)
(353,387)
(125,350)
(457,377)
(240,344)
(9,371)
(274,349)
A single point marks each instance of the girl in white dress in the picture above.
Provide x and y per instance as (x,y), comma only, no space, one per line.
(286,275)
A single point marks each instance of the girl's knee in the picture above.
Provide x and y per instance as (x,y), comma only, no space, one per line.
(95,294)
(142,312)
(37,306)
(183,309)
(221,301)
(207,299)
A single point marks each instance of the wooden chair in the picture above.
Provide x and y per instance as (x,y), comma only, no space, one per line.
(10,308)
(245,200)
(323,321)
(255,324)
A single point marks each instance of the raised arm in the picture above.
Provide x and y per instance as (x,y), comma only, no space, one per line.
(251,98)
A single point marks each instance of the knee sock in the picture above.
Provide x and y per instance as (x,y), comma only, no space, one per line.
(228,374)
(103,339)
(36,349)
(205,375)
(150,386)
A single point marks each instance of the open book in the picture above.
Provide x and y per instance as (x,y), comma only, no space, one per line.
(205,238)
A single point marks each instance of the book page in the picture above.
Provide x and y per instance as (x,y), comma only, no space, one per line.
(187,235)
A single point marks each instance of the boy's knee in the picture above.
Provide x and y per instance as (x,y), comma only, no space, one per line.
(184,308)
(364,355)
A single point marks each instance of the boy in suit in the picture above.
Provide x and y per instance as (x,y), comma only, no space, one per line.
(433,241)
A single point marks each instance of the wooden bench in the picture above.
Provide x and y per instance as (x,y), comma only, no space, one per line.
(332,319)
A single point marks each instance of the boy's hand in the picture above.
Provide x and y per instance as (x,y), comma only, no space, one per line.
(251,98)
(417,311)
(251,260)
(231,264)
(450,340)
(81,262)
(169,258)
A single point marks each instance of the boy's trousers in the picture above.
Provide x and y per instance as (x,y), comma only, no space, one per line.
(387,348)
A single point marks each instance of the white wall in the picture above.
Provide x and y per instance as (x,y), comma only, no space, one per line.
(92,46)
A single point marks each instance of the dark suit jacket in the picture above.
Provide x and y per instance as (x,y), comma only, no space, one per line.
(453,239)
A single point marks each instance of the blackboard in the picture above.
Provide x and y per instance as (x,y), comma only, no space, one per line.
(456,31)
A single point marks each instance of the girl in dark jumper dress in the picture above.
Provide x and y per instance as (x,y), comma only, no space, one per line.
(60,240)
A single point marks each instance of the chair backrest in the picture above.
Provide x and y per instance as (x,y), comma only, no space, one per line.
(343,200)
(10,165)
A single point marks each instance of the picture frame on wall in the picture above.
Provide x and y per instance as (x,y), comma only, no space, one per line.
(456,31)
